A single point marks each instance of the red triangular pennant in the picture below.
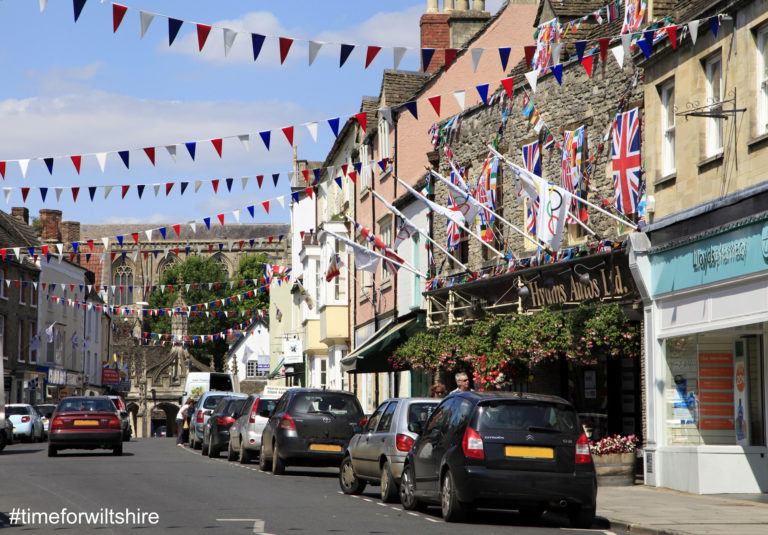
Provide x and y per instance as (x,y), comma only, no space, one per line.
(221,218)
(309,192)
(509,84)
(168,188)
(118,12)
(90,245)
(587,62)
(125,190)
(202,35)
(370,54)
(435,101)
(259,179)
(265,204)
(362,118)
(24,193)
(76,161)
(288,131)
(450,55)
(285,46)
(135,236)
(217,145)
(215,184)
(604,43)
(344,169)
(177,229)
(305,173)
(672,33)
(75,193)
(352,176)
(150,152)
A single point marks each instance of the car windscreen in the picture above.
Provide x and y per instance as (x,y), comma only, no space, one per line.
(517,416)
(266,405)
(234,406)
(11,411)
(90,405)
(211,402)
(45,411)
(421,411)
(221,382)
(327,402)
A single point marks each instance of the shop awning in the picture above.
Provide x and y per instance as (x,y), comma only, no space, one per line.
(277,369)
(373,356)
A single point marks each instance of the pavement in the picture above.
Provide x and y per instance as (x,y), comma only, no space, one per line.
(643,510)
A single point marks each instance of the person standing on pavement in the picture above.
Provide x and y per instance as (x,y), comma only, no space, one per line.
(180,418)
(437,390)
(462,383)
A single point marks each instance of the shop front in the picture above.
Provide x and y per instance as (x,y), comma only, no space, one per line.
(706,330)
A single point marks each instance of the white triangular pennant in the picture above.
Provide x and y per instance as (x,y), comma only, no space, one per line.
(398,53)
(135,255)
(171,151)
(193,226)
(460,96)
(618,53)
(387,114)
(24,164)
(312,127)
(58,191)
(556,48)
(60,247)
(187,286)
(314,48)
(476,53)
(146,20)
(101,157)
(229,39)
(229,247)
(149,234)
(246,141)
(281,200)
(693,28)
(198,183)
(626,43)
(244,180)
(165,252)
(105,241)
(107,191)
(43,3)
(533,78)
(7,194)
(157,188)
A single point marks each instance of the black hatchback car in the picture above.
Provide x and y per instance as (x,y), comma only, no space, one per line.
(502,450)
(216,429)
(309,427)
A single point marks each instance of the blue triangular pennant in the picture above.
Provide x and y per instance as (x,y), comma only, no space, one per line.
(346,50)
(316,172)
(411,107)
(124,155)
(482,90)
(426,57)
(557,70)
(646,44)
(140,190)
(120,240)
(78,5)
(162,232)
(580,47)
(207,221)
(257,40)
(74,246)
(714,23)
(334,124)
(174,25)
(504,57)
(229,183)
(184,187)
(43,193)
(338,181)
(49,164)
(265,135)
(250,210)
(92,191)
(191,148)
(295,194)
(358,167)
(275,178)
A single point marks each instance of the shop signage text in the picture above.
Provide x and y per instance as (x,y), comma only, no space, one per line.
(714,256)
(604,283)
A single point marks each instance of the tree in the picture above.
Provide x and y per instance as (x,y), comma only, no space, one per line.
(198,273)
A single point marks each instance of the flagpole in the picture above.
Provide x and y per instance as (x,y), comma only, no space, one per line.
(579,199)
(386,258)
(516,229)
(420,231)
(478,238)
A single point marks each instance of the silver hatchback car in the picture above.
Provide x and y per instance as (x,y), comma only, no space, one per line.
(376,454)
(245,433)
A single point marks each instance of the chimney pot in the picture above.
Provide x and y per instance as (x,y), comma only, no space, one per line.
(50,221)
(21,213)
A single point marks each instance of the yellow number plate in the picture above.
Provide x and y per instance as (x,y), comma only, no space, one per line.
(86,422)
(529,452)
(324,447)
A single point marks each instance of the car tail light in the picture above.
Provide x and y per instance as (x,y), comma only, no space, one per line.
(582,450)
(24,419)
(113,422)
(200,416)
(57,423)
(403,442)
(254,412)
(363,422)
(472,444)
(225,420)
(287,423)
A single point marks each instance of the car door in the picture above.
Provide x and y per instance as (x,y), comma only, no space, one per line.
(274,420)
(383,439)
(441,443)
(364,451)
(423,448)
(241,420)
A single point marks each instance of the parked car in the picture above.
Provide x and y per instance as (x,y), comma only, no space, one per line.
(203,410)
(6,433)
(85,423)
(27,424)
(216,430)
(502,450)
(245,433)
(376,455)
(45,411)
(309,427)
(125,423)
(162,431)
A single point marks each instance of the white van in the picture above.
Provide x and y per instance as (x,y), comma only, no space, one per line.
(199,382)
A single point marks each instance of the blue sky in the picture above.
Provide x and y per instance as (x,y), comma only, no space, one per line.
(78,88)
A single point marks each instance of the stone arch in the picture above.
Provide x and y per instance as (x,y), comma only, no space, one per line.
(170,410)
(123,274)
(166,263)
(224,264)
(133,414)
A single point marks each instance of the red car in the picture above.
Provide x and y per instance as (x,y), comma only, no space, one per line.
(85,423)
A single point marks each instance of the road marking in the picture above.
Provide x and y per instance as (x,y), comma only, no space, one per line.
(414,514)
(431,519)
(382,504)
(258,524)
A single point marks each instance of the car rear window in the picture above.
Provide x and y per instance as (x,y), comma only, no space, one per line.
(91,405)
(10,411)
(334,403)
(46,411)
(420,412)
(266,405)
(235,405)
(211,402)
(517,416)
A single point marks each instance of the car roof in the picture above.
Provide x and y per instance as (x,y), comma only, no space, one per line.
(18,405)
(502,394)
(412,400)
(318,391)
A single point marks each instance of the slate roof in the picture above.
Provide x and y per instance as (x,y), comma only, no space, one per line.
(567,10)
(399,87)
(14,233)
(244,231)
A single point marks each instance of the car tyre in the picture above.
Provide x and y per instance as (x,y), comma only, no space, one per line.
(348,480)
(127,435)
(582,517)
(204,447)
(2,441)
(263,464)
(213,451)
(118,450)
(52,450)
(245,455)
(389,492)
(231,456)
(453,509)
(408,491)
(278,465)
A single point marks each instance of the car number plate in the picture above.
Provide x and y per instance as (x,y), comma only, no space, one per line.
(529,452)
(86,422)
(324,447)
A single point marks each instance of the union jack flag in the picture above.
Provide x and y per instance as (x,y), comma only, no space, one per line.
(376,241)
(532,158)
(627,162)
(270,270)
(453,231)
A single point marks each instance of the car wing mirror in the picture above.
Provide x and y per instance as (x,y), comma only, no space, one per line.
(415,427)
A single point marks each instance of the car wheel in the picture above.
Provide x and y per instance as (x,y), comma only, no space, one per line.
(213,451)
(245,455)
(52,450)
(204,447)
(388,485)
(453,509)
(582,517)
(231,456)
(197,444)
(348,480)
(263,464)
(278,465)
(2,441)
(408,491)
(127,435)
(531,515)
(118,450)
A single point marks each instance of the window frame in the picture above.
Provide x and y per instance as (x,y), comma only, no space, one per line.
(713,71)
(383,136)
(762,79)
(365,169)
(3,337)
(385,235)
(668,144)
(4,285)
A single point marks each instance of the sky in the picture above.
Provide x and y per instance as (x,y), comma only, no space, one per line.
(79,89)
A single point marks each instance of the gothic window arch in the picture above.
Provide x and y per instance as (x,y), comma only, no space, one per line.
(123,276)
(169,263)
(223,264)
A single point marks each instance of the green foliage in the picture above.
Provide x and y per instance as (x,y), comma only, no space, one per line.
(195,271)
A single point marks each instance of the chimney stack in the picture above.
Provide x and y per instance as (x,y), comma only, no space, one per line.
(21,213)
(70,231)
(50,221)
(451,28)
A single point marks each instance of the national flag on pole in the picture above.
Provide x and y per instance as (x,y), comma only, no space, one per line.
(614,10)
(453,231)
(627,162)
(532,163)
(634,15)
(486,196)
(545,35)
(550,220)
(376,241)
(49,333)
(532,158)
(333,268)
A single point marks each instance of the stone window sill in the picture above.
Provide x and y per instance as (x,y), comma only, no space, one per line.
(671,177)
(717,158)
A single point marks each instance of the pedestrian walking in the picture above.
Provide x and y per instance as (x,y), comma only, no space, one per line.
(437,390)
(462,383)
(181,418)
